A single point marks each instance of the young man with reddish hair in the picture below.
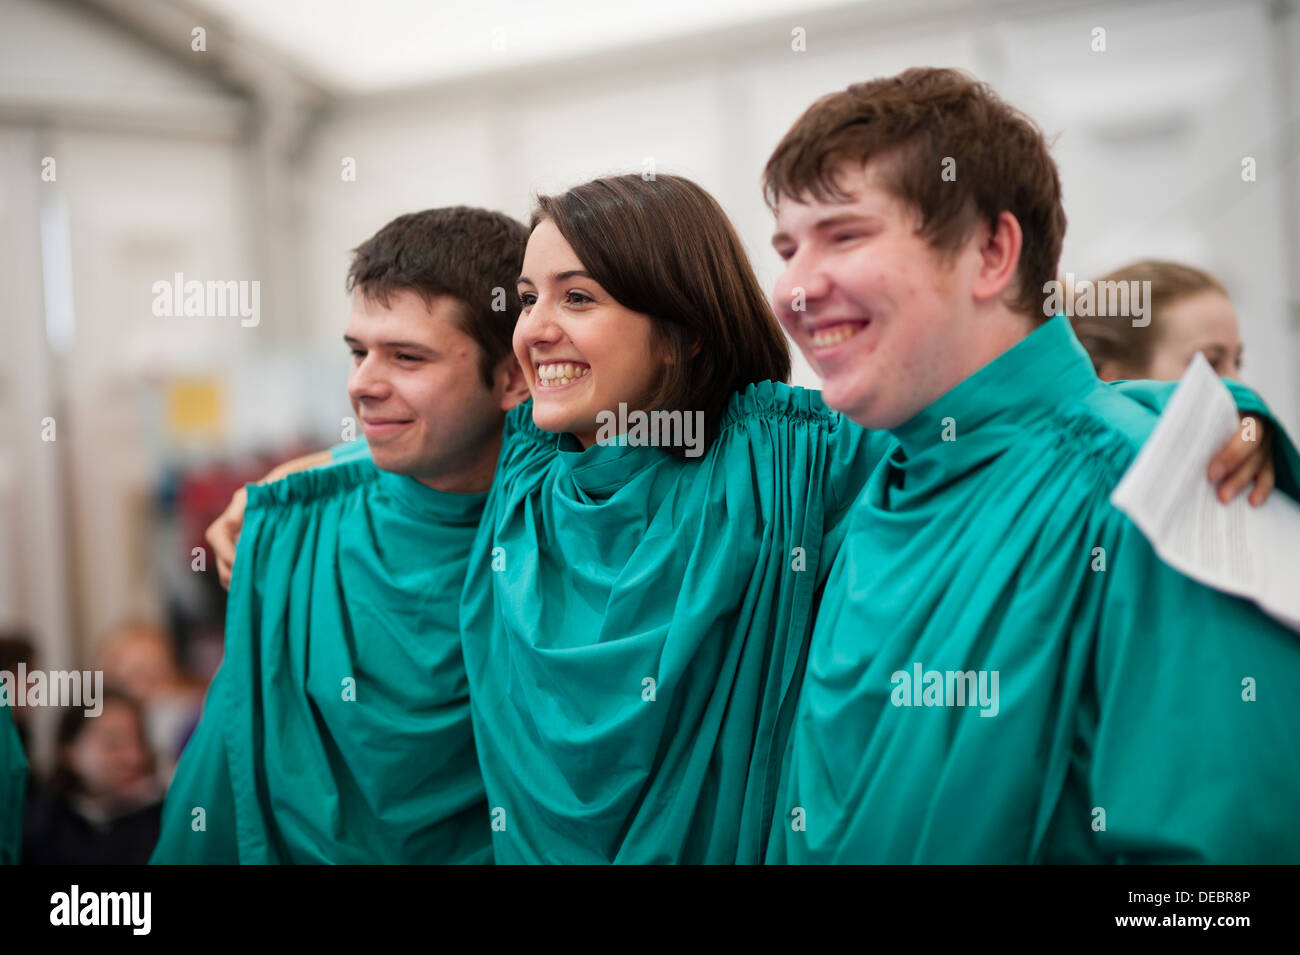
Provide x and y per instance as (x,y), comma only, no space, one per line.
(1002,669)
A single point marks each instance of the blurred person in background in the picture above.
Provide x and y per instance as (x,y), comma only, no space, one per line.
(15,741)
(1189,312)
(13,784)
(15,648)
(103,802)
(139,659)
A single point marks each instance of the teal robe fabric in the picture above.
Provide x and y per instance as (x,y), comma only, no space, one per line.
(350,451)
(635,626)
(338,727)
(1140,717)
(13,786)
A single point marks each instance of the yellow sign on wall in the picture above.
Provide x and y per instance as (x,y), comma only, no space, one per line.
(195,408)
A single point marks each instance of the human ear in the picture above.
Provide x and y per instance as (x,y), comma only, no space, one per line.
(511,384)
(999,245)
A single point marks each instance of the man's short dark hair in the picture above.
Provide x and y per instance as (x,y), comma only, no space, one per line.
(471,255)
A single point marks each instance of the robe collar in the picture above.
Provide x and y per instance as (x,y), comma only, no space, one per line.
(602,469)
(984,413)
(440,507)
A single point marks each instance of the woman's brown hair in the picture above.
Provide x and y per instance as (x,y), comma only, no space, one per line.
(664,247)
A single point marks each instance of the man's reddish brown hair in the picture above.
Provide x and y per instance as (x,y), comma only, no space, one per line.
(908,125)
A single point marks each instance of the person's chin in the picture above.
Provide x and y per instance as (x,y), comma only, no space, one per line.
(394,457)
(853,400)
(386,461)
(552,419)
(843,392)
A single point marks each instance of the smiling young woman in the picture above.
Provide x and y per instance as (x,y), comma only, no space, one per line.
(635,620)
(649,278)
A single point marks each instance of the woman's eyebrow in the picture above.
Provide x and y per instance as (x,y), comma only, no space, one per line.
(557,276)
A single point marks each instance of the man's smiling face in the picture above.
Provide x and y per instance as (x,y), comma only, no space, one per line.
(876,310)
(416,387)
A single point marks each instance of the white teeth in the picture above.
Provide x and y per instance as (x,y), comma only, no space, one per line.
(557,374)
(834,334)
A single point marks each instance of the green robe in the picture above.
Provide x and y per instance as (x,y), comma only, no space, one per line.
(13,785)
(338,727)
(1140,717)
(635,624)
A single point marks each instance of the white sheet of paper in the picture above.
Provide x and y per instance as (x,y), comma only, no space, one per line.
(1249,551)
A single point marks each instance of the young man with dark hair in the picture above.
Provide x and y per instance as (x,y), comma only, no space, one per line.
(338,727)
(1002,669)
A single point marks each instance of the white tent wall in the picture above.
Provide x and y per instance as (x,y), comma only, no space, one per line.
(119,168)
(1150,135)
(35,544)
(141,209)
